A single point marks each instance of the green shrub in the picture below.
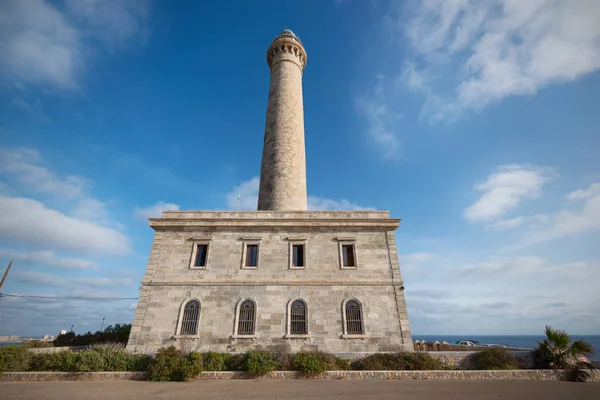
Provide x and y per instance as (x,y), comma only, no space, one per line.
(236,362)
(284,361)
(419,362)
(106,357)
(377,362)
(260,362)
(168,365)
(314,363)
(214,361)
(310,363)
(36,344)
(139,362)
(494,358)
(51,361)
(195,364)
(338,364)
(398,362)
(14,359)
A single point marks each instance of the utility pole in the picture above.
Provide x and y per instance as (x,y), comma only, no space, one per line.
(102,326)
(5,275)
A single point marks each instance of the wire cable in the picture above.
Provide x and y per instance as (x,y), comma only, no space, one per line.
(29,296)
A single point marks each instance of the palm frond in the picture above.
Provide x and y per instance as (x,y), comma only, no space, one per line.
(557,337)
(581,348)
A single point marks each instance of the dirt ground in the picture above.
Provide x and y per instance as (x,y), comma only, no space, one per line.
(300,389)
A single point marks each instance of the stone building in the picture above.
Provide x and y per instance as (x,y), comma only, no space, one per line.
(282,276)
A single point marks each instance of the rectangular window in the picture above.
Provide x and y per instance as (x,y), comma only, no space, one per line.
(251,255)
(298,255)
(348,255)
(201,252)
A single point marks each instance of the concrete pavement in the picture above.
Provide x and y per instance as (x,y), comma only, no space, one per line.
(300,389)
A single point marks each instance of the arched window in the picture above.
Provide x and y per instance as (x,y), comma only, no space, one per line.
(189,321)
(354,324)
(246,318)
(298,322)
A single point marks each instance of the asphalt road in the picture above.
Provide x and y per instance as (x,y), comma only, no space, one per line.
(300,389)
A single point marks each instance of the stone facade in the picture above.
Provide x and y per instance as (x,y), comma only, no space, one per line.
(283,169)
(323,283)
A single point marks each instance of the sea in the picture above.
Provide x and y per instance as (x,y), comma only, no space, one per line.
(520,341)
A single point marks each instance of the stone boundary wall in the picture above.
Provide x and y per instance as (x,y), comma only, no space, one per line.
(463,359)
(532,374)
(72,376)
(38,350)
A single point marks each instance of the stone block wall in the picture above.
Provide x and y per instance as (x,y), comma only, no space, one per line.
(171,280)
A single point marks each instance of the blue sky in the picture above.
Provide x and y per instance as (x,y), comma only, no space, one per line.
(476,122)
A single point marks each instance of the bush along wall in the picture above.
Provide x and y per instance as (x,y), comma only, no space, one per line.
(172,364)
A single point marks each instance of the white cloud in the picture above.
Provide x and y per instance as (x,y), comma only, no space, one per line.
(27,166)
(381,120)
(593,190)
(414,260)
(249,199)
(506,295)
(30,222)
(505,224)
(154,211)
(37,44)
(41,44)
(488,50)
(506,188)
(45,279)
(320,203)
(566,222)
(248,195)
(114,22)
(32,317)
(47,258)
(90,209)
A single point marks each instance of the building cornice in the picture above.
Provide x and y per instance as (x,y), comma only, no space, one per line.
(272,282)
(379,220)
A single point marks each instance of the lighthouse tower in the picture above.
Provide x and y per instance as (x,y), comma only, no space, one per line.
(283,169)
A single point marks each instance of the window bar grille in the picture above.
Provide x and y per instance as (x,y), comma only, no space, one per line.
(246,324)
(353,318)
(189,324)
(298,318)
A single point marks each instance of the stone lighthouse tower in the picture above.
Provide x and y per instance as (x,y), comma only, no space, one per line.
(281,277)
(283,169)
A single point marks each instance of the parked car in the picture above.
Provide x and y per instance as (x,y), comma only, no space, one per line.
(475,343)
(467,343)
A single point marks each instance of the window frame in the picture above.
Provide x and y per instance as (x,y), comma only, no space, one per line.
(289,334)
(297,242)
(246,243)
(196,244)
(347,335)
(179,326)
(347,242)
(236,322)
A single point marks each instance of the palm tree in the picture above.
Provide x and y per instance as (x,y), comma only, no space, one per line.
(559,351)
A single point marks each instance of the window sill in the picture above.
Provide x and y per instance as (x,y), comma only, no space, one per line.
(355,267)
(297,336)
(346,336)
(195,267)
(294,267)
(193,337)
(253,337)
(244,267)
